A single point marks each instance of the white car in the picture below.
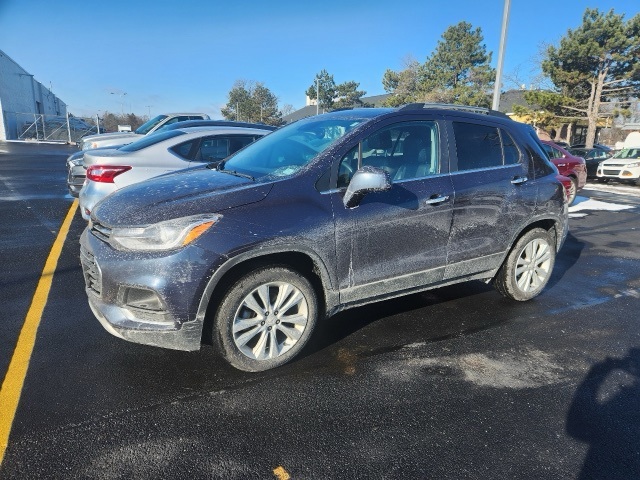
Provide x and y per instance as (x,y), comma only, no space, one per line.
(123,138)
(625,164)
(111,169)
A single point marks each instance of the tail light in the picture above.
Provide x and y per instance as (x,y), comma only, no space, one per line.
(105,173)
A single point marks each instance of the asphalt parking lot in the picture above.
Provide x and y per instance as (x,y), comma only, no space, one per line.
(452,383)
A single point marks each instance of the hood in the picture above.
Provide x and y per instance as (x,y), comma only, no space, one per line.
(179,194)
(104,136)
(102,155)
(619,161)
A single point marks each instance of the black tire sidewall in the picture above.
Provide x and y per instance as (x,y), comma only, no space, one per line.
(222,332)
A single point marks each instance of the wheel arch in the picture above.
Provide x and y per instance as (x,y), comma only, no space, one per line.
(304,262)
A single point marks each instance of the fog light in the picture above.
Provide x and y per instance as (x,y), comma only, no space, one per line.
(626,174)
(142,298)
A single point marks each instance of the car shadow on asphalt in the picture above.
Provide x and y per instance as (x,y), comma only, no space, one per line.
(566,258)
(605,414)
(430,316)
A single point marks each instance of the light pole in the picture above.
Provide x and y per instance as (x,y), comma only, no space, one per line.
(503,42)
(122,94)
(149,110)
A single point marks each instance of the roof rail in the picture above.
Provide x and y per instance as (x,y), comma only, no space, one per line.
(451,106)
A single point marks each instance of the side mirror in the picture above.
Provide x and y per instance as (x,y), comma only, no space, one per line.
(364,181)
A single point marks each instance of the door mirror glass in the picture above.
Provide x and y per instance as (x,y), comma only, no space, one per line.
(366,180)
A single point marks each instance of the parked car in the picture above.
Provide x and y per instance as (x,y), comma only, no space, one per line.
(77,173)
(624,166)
(124,138)
(324,214)
(568,186)
(597,146)
(153,155)
(592,158)
(571,166)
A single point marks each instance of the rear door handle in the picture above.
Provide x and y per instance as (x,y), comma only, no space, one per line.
(437,198)
(519,180)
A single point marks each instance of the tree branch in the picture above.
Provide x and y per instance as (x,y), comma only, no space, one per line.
(585,111)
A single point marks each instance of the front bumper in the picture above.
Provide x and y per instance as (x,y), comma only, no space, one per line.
(618,172)
(174,281)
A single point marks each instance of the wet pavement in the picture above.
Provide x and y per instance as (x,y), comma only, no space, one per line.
(452,383)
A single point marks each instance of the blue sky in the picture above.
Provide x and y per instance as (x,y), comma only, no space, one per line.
(184,55)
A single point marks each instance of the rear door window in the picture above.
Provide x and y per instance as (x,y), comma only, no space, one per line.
(484,146)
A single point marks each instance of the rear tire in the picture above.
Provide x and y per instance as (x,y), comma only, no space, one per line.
(528,267)
(265,319)
(573,191)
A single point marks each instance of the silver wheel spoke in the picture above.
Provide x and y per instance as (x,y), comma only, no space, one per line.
(263,293)
(291,333)
(259,351)
(243,339)
(252,304)
(242,324)
(274,348)
(283,293)
(297,319)
(295,299)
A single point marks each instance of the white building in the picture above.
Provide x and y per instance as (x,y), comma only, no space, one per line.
(22,98)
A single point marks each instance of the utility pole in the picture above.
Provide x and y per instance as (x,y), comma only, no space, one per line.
(317,95)
(503,42)
(122,94)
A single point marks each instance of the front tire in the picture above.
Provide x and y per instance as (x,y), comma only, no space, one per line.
(265,319)
(528,267)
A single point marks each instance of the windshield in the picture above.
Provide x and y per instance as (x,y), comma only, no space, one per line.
(290,148)
(147,126)
(630,153)
(151,140)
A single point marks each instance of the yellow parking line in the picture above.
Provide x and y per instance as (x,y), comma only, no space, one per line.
(17,371)
(281,473)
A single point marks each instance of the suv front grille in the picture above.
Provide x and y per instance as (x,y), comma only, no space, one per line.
(100,231)
(90,271)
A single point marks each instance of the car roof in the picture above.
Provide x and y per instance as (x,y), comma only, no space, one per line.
(222,123)
(222,129)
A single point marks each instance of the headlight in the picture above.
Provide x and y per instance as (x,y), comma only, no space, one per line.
(632,165)
(166,235)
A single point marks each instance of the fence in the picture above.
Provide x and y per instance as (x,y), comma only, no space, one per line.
(48,128)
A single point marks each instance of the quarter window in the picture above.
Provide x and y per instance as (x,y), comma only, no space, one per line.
(511,152)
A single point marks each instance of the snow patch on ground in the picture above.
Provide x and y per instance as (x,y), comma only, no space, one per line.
(584,203)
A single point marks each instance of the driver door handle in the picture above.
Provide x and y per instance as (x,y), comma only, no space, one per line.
(519,180)
(436,199)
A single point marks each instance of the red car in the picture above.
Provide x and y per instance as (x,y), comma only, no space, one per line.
(575,168)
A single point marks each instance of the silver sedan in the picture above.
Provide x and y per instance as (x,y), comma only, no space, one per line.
(111,169)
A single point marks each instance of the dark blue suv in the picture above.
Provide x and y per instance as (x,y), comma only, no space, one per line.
(328,213)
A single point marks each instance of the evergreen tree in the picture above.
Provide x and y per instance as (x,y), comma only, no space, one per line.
(596,64)
(323,84)
(252,102)
(458,71)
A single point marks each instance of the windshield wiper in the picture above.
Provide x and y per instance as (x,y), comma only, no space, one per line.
(220,168)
